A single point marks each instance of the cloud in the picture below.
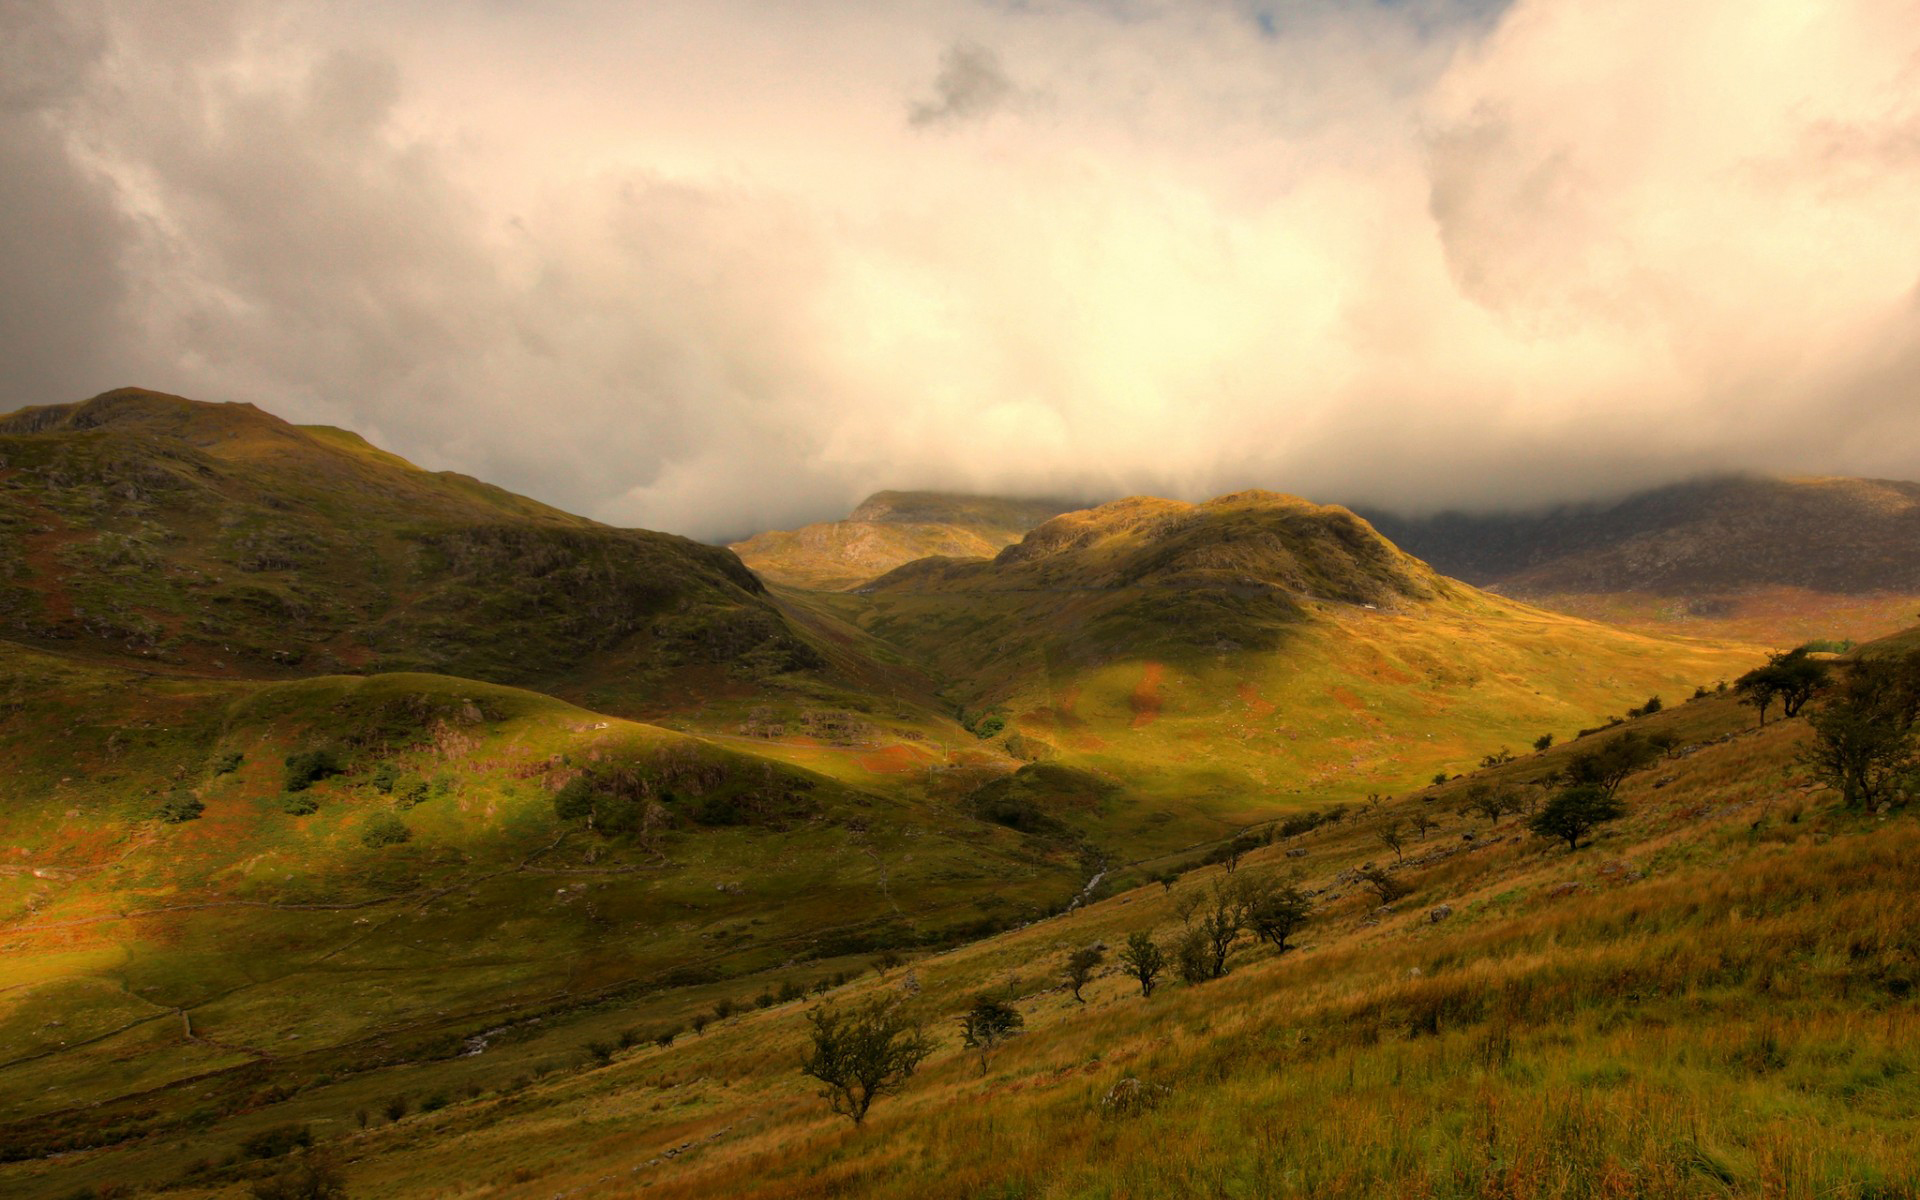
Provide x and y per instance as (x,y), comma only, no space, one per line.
(971,84)
(684,265)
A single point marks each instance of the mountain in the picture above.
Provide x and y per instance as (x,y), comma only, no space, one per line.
(150,529)
(887,530)
(1746,554)
(1224,658)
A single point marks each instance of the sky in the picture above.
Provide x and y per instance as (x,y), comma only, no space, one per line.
(714,266)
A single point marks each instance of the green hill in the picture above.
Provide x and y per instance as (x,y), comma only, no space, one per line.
(219,539)
(1227,659)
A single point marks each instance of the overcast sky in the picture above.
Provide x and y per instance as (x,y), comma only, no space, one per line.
(719,265)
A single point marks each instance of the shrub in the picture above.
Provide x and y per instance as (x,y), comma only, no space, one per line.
(1080,968)
(601,1052)
(410,792)
(384,777)
(298,805)
(275,1141)
(861,1054)
(180,807)
(397,1107)
(385,830)
(666,1036)
(434,1103)
(310,766)
(312,1177)
(228,763)
(988,1023)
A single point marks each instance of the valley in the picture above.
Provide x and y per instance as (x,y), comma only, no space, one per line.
(339,789)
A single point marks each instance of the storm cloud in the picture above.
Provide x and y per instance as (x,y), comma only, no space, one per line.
(718,265)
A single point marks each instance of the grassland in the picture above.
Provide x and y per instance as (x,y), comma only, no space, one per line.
(1714,999)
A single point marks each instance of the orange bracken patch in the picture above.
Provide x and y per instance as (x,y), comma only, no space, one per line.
(896,759)
(1250,695)
(1145,699)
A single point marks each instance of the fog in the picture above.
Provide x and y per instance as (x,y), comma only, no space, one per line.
(719,265)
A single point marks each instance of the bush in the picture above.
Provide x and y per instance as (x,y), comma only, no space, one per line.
(434,1103)
(988,1023)
(1574,813)
(410,792)
(313,1177)
(396,1107)
(228,763)
(310,766)
(385,830)
(298,805)
(181,807)
(278,1140)
(384,777)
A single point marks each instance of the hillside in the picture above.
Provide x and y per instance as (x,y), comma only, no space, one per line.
(149,529)
(1779,559)
(1227,658)
(887,530)
(1714,998)
(452,855)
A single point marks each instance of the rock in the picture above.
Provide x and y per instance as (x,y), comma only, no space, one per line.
(1385,910)
(1414,972)
(1663,781)
(1467,837)
(1130,1097)
(1437,915)
(1564,889)
(1297,852)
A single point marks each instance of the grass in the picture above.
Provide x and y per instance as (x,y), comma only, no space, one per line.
(1715,999)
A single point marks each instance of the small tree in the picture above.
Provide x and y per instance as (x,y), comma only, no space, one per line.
(1202,952)
(1384,885)
(699,1022)
(1391,835)
(1576,812)
(1863,737)
(1543,743)
(1424,823)
(863,1053)
(1143,959)
(988,1023)
(1080,968)
(1499,758)
(1608,765)
(1490,802)
(1275,912)
(1167,879)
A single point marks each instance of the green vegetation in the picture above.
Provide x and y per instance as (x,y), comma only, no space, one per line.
(863,1054)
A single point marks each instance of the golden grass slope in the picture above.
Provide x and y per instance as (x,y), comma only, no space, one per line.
(1715,999)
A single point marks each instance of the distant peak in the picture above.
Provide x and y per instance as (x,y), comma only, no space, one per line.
(132,406)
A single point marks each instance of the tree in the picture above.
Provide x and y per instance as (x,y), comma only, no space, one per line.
(1384,885)
(1080,967)
(1424,823)
(863,1053)
(988,1023)
(1543,743)
(1393,837)
(1143,959)
(1499,758)
(1792,678)
(1490,802)
(1275,912)
(1203,951)
(1608,765)
(1576,812)
(1863,738)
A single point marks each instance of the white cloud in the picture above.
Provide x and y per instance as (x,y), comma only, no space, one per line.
(711,265)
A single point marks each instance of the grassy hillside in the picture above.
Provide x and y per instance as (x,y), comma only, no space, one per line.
(1227,659)
(221,540)
(890,529)
(1715,998)
(424,885)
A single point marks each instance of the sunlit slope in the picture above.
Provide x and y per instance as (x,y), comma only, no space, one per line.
(1715,998)
(216,538)
(890,529)
(1230,657)
(134,951)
